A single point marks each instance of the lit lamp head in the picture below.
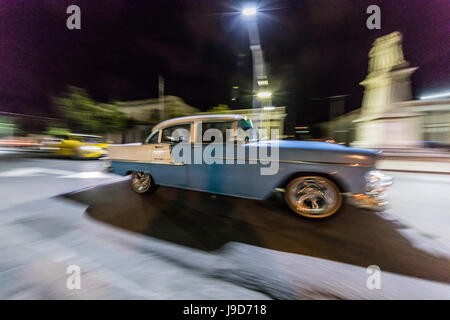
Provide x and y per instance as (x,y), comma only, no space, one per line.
(264,94)
(249,11)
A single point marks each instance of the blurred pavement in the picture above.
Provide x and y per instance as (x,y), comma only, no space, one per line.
(414,165)
(39,240)
(421,201)
(41,234)
(27,179)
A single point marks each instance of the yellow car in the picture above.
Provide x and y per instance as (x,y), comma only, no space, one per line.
(80,146)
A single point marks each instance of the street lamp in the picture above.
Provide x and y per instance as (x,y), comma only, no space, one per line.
(249,11)
(259,69)
(264,94)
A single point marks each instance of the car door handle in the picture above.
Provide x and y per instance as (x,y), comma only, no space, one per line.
(157,147)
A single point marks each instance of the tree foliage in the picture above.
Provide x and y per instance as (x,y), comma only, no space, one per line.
(83,115)
(219,108)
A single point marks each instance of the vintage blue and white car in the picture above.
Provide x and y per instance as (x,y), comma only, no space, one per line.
(315,176)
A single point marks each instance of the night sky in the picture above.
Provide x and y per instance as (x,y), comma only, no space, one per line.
(313,49)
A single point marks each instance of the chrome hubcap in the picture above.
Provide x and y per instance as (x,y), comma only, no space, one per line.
(141,181)
(314,196)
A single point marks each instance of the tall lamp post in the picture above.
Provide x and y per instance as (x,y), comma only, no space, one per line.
(260,80)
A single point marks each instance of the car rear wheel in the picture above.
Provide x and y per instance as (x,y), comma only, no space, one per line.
(313,196)
(141,182)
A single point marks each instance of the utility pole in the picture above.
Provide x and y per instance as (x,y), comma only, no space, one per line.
(161,97)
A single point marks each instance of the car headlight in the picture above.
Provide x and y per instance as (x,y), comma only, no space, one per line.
(377,182)
(90,148)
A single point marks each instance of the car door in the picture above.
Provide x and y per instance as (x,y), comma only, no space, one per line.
(236,174)
(164,169)
(215,177)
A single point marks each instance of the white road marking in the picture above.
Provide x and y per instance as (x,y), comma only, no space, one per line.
(88,175)
(34,172)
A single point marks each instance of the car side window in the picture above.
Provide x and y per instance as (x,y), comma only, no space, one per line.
(153,138)
(177,133)
(221,126)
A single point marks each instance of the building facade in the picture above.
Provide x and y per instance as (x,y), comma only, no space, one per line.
(153,111)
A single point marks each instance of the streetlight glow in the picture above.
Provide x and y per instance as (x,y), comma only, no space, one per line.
(434,96)
(264,94)
(249,11)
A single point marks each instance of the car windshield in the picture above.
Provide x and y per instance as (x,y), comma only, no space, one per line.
(88,139)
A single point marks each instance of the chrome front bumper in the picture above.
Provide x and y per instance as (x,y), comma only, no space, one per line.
(369,202)
(108,167)
(375,197)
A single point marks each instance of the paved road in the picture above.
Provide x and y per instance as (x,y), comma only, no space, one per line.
(219,242)
(28,179)
(421,201)
(208,222)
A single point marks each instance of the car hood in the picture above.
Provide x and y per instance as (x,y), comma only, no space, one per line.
(321,152)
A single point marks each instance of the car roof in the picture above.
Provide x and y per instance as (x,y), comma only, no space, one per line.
(206,118)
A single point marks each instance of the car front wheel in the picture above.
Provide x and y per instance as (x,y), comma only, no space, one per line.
(141,182)
(313,196)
